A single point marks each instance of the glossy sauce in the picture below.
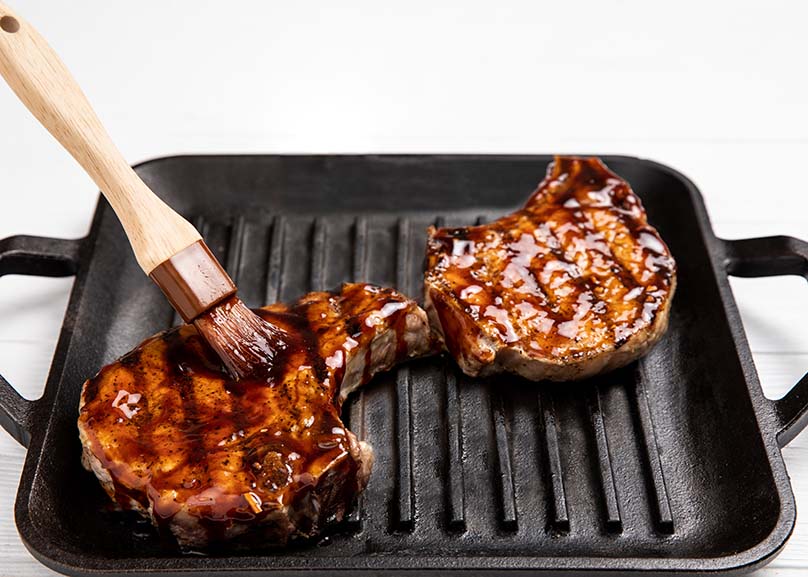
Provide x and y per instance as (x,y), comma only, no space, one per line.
(576,272)
(176,432)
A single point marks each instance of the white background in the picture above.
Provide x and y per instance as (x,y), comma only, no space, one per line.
(716,90)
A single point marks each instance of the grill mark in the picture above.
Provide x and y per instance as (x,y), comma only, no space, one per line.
(580,282)
(661,278)
(624,273)
(196,448)
(620,268)
(553,308)
(144,443)
(575,184)
(142,383)
(496,290)
(308,339)
(606,317)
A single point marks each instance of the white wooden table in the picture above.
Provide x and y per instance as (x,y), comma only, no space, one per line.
(716,91)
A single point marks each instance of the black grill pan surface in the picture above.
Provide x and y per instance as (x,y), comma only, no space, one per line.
(669,466)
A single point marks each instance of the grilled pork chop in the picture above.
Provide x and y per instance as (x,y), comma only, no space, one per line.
(170,435)
(575,283)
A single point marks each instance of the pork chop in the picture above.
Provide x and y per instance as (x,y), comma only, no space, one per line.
(575,283)
(169,434)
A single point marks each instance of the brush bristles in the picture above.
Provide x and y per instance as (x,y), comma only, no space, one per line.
(245,342)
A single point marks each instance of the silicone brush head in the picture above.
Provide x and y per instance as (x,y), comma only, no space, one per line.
(203,294)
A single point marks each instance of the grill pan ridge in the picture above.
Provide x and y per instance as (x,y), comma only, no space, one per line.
(656,468)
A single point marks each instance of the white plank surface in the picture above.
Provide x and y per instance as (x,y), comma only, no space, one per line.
(716,91)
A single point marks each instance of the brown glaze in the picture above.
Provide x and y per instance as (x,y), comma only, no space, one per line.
(577,273)
(211,457)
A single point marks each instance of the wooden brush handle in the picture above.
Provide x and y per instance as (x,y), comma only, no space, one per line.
(44,85)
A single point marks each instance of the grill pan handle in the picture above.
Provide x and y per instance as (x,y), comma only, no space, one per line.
(773,256)
(33,256)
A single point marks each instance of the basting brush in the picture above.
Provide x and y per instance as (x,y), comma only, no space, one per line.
(168,248)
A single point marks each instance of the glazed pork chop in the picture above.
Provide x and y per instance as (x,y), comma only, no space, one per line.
(170,435)
(575,283)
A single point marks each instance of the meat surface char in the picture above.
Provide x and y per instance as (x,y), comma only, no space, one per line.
(575,283)
(170,435)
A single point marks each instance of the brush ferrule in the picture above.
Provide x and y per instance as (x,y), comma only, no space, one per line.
(193,281)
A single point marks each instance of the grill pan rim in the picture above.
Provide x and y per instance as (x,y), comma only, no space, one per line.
(43,411)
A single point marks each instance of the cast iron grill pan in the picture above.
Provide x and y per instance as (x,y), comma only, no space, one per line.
(668,466)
